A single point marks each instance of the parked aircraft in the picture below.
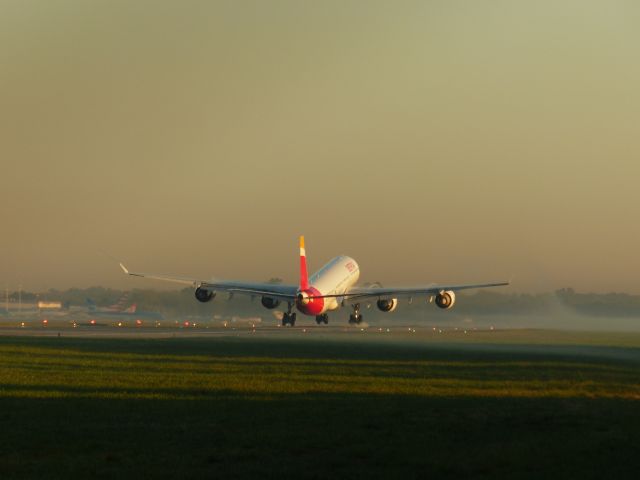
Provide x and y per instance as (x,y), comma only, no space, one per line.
(118,310)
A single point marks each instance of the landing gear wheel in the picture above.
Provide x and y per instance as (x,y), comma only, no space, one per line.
(355,317)
(324,318)
(289,318)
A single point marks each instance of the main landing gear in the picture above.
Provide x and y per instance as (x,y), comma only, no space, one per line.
(355,317)
(324,318)
(289,318)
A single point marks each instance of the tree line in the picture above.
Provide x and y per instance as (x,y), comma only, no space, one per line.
(182,302)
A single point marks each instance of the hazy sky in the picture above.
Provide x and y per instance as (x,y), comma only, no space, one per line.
(430,140)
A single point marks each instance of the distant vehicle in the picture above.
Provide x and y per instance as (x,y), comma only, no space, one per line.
(332,287)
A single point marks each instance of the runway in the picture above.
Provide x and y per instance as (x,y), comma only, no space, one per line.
(108,331)
(511,341)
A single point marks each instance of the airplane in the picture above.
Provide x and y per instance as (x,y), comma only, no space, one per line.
(331,287)
(119,306)
(118,310)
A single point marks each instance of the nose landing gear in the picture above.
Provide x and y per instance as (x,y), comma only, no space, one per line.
(324,318)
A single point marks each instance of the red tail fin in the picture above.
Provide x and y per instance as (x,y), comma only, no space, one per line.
(304,278)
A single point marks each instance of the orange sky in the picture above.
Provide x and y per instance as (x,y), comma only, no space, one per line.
(431,141)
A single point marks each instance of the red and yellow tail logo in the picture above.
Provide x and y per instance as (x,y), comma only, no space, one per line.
(304,277)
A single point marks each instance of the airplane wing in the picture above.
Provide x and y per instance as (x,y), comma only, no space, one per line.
(364,293)
(276,291)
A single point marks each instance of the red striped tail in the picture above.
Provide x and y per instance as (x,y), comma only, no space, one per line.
(304,277)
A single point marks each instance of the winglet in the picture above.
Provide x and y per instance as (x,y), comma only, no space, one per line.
(304,278)
(124,269)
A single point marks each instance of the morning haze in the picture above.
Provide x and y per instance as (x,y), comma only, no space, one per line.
(433,141)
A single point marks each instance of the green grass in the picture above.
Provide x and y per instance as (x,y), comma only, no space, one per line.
(279,407)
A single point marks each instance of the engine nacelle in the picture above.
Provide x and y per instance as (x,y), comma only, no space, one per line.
(203,295)
(387,305)
(270,303)
(446,299)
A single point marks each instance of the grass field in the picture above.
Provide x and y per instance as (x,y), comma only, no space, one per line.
(284,406)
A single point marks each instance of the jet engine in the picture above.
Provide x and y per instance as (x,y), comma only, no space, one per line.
(446,299)
(387,305)
(203,295)
(270,303)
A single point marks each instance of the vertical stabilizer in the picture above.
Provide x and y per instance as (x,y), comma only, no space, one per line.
(304,278)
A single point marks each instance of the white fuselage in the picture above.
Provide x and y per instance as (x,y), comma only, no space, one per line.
(335,278)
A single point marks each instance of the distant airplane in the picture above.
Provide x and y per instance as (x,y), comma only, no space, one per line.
(119,306)
(332,287)
(118,310)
